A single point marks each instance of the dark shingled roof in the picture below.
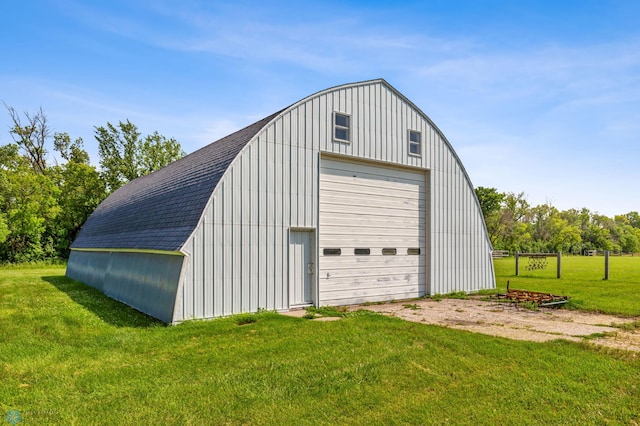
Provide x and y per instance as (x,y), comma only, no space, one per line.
(160,211)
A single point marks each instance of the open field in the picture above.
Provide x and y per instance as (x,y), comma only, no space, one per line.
(582,280)
(69,355)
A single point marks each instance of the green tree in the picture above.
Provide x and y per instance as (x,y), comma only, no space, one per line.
(516,226)
(490,200)
(124,156)
(81,190)
(43,207)
(633,219)
(629,239)
(28,202)
(4,228)
(117,148)
(490,203)
(514,231)
(597,235)
(156,152)
(8,154)
(580,220)
(70,151)
(564,237)
(9,160)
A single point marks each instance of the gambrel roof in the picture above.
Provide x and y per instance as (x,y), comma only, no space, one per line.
(159,211)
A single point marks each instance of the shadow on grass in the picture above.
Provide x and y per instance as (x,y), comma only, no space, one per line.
(108,310)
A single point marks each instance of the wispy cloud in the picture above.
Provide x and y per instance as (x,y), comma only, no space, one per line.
(517,111)
(321,43)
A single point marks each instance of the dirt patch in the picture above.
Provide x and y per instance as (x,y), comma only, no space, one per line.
(513,322)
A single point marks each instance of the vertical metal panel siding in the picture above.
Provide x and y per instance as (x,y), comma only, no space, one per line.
(145,281)
(88,267)
(241,262)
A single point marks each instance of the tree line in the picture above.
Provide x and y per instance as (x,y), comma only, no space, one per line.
(44,201)
(514,225)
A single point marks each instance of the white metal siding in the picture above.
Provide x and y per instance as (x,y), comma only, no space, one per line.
(367,206)
(146,281)
(237,258)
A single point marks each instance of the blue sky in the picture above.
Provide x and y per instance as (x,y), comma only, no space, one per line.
(540,97)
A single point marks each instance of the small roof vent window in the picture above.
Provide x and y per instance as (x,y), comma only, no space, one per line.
(415,142)
(341,127)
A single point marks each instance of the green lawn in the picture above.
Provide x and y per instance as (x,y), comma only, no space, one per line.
(583,280)
(69,355)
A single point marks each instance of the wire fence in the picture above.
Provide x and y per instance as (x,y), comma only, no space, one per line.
(597,267)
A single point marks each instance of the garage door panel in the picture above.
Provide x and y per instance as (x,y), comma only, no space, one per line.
(373,193)
(336,263)
(382,234)
(371,189)
(373,207)
(334,169)
(366,206)
(346,243)
(385,237)
(393,191)
(377,274)
(354,296)
(395,220)
(361,284)
(399,224)
(402,259)
(397,290)
(370,262)
(374,239)
(396,223)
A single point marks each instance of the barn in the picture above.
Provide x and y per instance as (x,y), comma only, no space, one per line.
(350,195)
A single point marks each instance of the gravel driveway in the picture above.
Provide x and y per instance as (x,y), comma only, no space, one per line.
(508,320)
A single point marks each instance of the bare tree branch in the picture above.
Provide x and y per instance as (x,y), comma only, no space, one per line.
(31,136)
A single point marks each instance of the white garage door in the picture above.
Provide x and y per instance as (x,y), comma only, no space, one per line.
(371,234)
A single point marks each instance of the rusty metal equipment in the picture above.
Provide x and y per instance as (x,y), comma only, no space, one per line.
(539,298)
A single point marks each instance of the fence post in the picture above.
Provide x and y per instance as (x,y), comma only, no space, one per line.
(559,264)
(517,263)
(606,264)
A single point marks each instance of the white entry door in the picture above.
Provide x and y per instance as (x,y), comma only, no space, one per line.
(301,268)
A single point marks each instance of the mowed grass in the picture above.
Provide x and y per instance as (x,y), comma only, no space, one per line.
(70,355)
(582,280)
